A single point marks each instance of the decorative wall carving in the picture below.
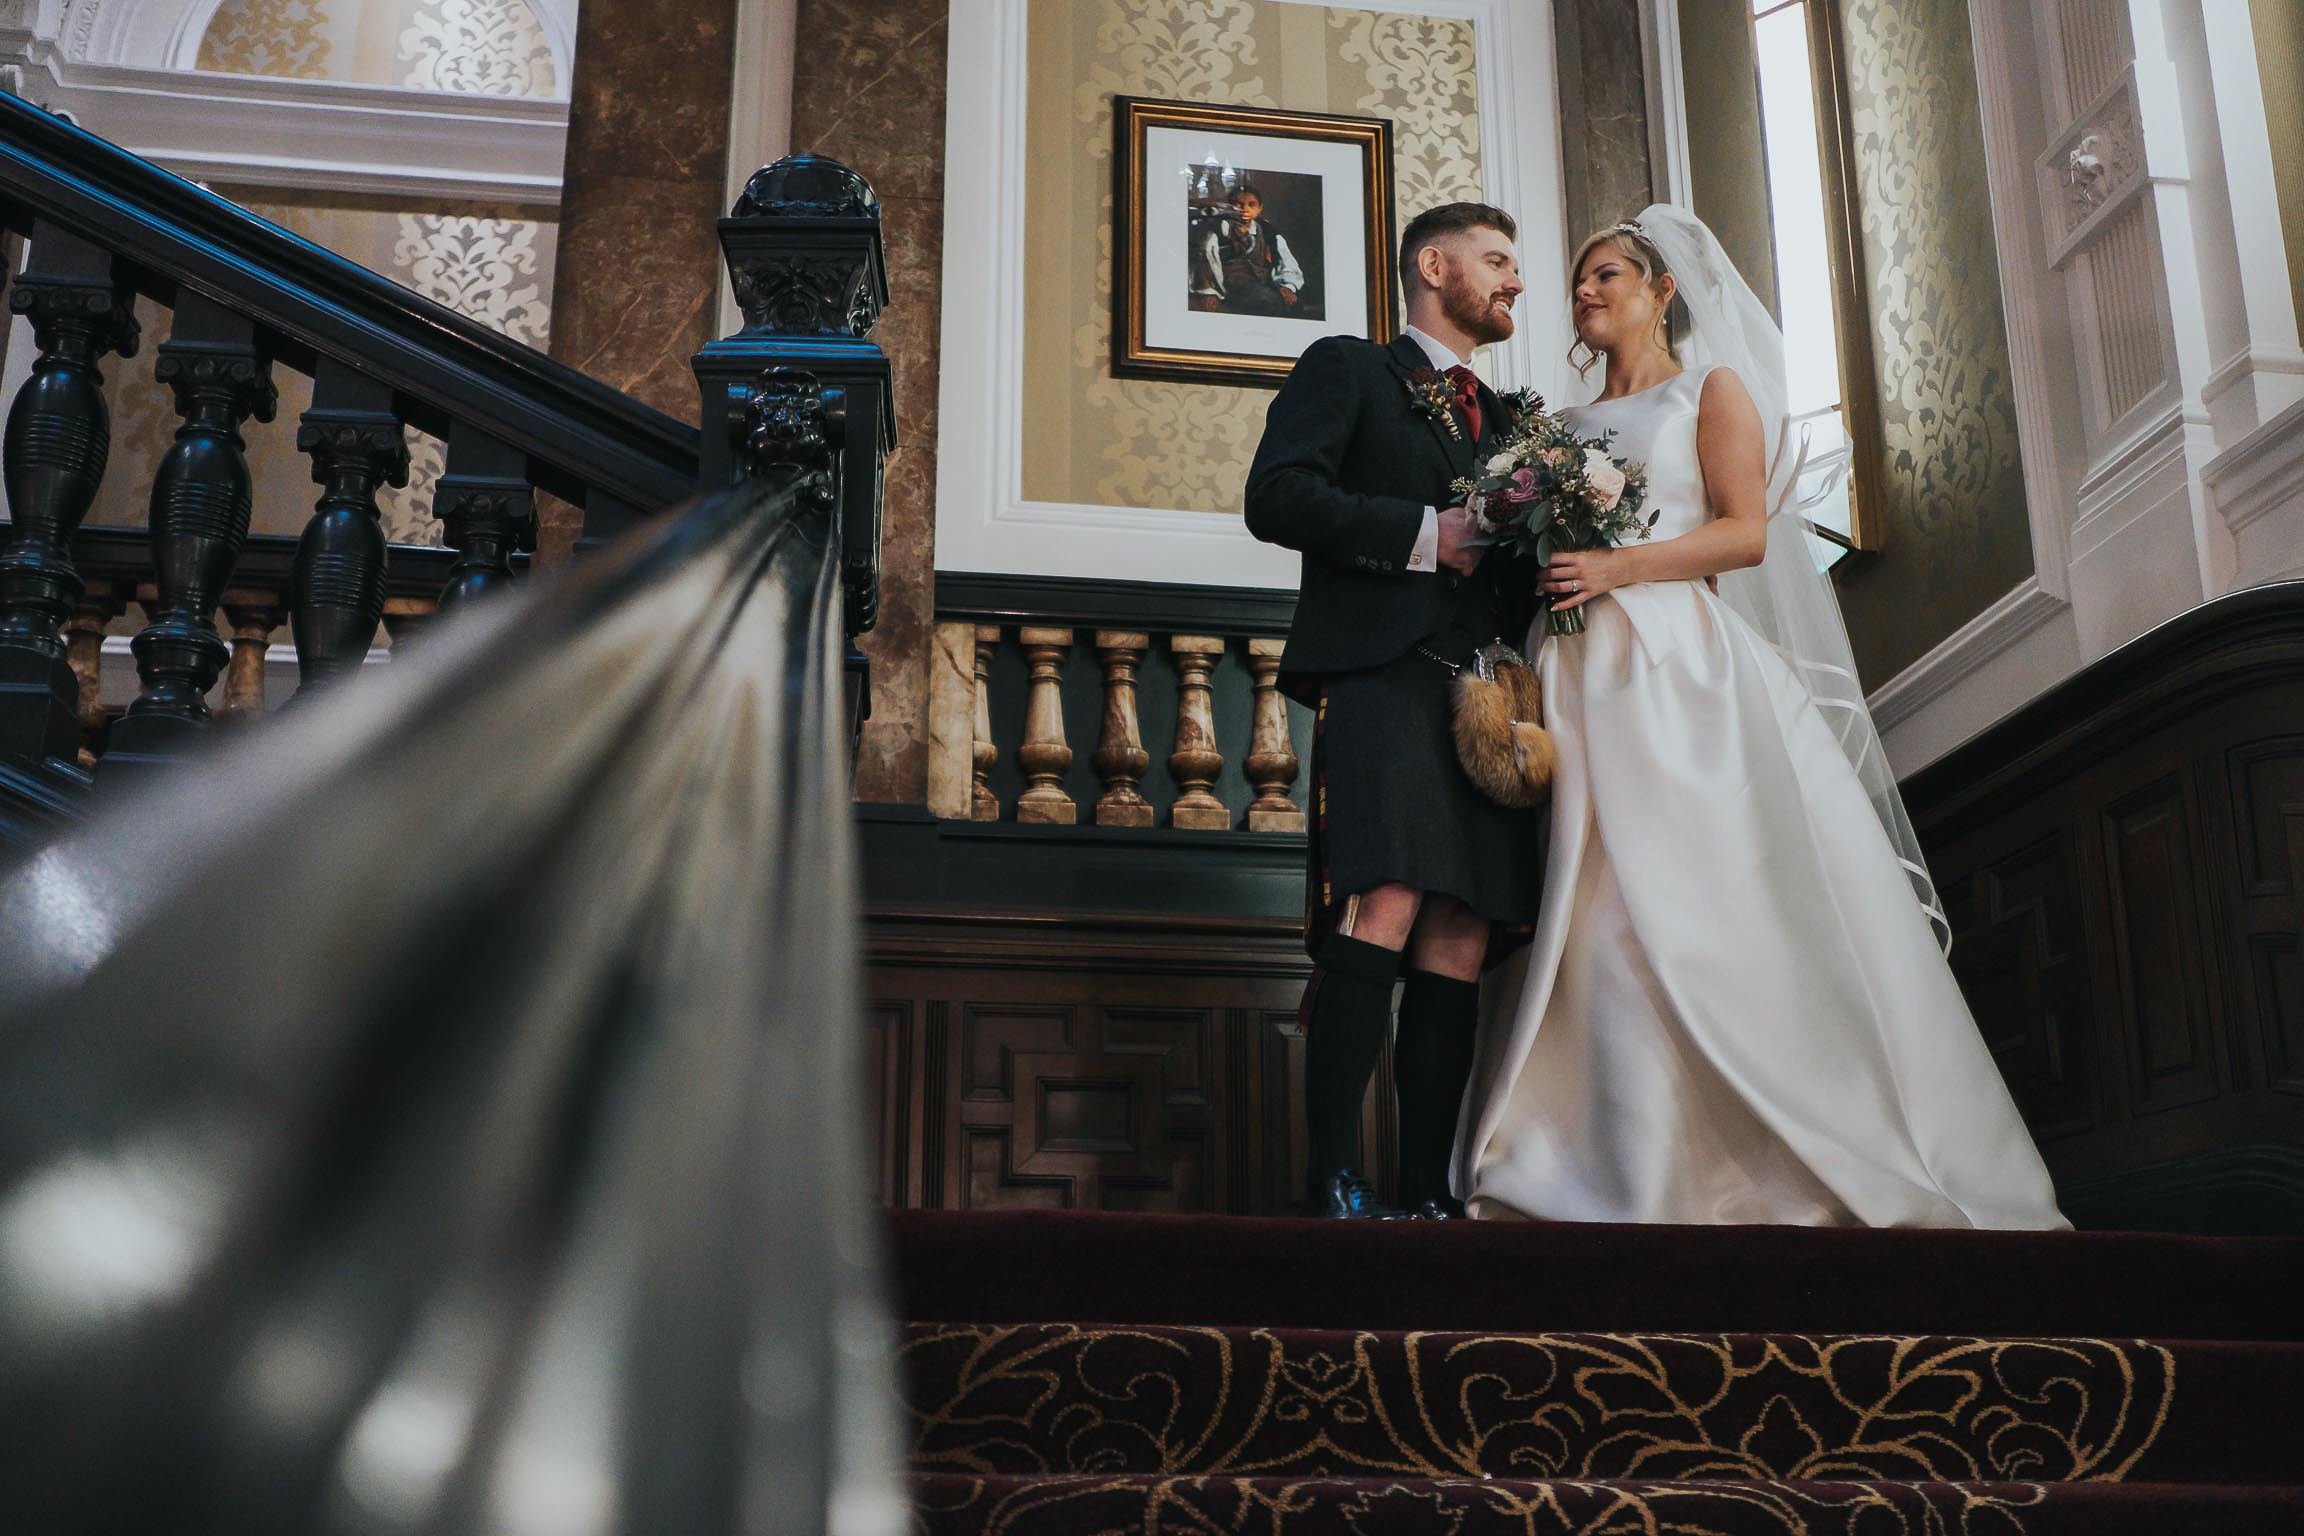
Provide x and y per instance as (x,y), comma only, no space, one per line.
(1957,536)
(1090,438)
(2091,169)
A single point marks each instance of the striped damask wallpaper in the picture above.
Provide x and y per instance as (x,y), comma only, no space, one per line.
(1090,438)
(1957,537)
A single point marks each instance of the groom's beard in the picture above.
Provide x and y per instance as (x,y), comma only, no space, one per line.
(1478,315)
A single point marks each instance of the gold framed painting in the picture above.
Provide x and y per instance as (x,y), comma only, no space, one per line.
(1241,235)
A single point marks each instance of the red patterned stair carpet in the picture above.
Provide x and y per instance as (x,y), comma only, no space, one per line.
(1072,1373)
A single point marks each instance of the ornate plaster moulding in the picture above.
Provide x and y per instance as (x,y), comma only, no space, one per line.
(262,130)
(2093,169)
(166,34)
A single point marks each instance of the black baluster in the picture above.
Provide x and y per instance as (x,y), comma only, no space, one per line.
(59,435)
(487,511)
(200,503)
(336,596)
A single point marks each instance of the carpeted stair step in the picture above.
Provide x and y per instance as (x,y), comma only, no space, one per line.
(1527,1277)
(1301,1403)
(954,1504)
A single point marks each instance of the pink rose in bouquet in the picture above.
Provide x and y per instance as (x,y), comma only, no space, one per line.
(1605,480)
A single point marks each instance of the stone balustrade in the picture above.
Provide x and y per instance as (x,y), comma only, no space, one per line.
(1120,728)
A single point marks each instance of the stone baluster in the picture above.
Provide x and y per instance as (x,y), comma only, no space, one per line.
(1120,756)
(221,376)
(253,616)
(356,444)
(1271,760)
(58,437)
(1195,764)
(1045,754)
(92,615)
(984,752)
(487,512)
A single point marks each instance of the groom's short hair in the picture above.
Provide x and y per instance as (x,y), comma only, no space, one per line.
(1435,224)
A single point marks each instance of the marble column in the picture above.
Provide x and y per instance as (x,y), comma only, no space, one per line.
(868,90)
(1603,112)
(637,286)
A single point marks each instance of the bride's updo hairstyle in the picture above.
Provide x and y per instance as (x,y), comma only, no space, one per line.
(1638,249)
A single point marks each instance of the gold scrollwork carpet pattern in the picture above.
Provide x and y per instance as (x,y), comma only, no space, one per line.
(1205,1506)
(1278,1403)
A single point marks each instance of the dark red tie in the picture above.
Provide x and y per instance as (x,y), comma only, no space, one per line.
(1467,396)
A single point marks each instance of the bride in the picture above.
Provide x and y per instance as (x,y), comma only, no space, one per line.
(1735,1008)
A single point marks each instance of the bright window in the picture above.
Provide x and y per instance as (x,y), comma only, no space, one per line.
(1801,208)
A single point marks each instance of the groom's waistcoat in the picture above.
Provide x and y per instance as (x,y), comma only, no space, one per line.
(1346,468)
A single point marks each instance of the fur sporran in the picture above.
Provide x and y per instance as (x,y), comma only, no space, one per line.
(1500,739)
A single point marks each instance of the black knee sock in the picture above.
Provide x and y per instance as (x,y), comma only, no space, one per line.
(1350,1015)
(1431,1060)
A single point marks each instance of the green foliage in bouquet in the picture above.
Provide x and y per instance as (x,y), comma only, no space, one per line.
(1549,491)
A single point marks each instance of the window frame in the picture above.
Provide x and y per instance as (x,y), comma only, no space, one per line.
(1844,249)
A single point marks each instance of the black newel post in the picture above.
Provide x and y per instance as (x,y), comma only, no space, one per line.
(200,504)
(488,512)
(336,593)
(805,254)
(59,435)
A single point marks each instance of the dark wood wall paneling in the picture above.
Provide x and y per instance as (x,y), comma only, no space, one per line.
(2124,866)
(1085,1018)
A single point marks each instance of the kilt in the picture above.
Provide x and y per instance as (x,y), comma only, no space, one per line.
(1391,802)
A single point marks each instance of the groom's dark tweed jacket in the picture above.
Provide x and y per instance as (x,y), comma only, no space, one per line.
(1345,471)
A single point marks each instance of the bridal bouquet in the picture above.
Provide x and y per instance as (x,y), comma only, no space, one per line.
(1551,491)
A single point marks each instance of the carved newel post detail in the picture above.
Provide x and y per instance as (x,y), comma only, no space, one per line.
(1120,756)
(1271,761)
(1195,764)
(356,445)
(200,506)
(1045,755)
(59,436)
(810,272)
(984,752)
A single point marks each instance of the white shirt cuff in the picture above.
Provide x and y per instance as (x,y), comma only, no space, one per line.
(1424,554)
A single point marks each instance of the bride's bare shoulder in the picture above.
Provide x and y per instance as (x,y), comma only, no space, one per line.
(1722,392)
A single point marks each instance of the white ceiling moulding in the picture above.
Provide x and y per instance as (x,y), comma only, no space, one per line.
(983,521)
(166,34)
(270,131)
(260,130)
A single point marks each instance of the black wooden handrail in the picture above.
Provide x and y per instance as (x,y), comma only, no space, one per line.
(544,1036)
(580,435)
(104,227)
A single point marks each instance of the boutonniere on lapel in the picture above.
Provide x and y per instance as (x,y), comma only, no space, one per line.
(1430,394)
(1522,407)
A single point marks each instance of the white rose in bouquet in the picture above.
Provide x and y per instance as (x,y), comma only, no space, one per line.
(1501,464)
(1606,480)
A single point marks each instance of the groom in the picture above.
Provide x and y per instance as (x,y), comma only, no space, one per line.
(1410,865)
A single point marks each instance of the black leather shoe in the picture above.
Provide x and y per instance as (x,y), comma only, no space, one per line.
(1438,1210)
(1345,1196)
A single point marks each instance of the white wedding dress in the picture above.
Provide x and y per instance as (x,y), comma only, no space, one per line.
(1733,1009)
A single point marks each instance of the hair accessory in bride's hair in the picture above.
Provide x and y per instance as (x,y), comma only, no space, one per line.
(1632,227)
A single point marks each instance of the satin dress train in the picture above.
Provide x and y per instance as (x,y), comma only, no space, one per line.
(1733,1009)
